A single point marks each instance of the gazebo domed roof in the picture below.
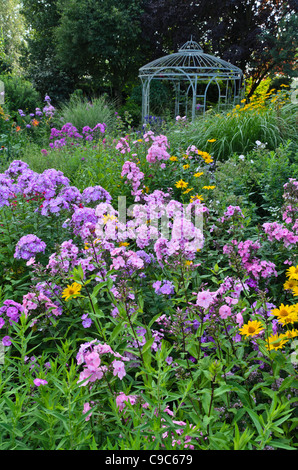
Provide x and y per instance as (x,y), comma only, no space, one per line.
(190,60)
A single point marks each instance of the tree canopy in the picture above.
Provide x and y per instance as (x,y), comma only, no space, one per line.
(104,42)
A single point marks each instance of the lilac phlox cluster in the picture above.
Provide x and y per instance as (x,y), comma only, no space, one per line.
(149,136)
(65,260)
(36,301)
(87,322)
(54,206)
(67,133)
(6,190)
(279,232)
(29,246)
(164,287)
(123,145)
(122,398)
(123,259)
(96,193)
(106,222)
(93,355)
(47,183)
(291,191)
(231,212)
(71,194)
(250,263)
(158,150)
(134,176)
(12,310)
(290,216)
(80,218)
(16,168)
(141,340)
(48,109)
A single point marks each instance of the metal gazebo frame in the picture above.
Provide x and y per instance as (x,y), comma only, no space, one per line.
(191,65)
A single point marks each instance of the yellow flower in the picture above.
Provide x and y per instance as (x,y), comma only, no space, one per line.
(285,314)
(295,290)
(196,198)
(292,272)
(290,284)
(72,291)
(185,167)
(188,263)
(283,311)
(181,184)
(109,217)
(291,334)
(276,342)
(123,244)
(212,140)
(251,328)
(208,187)
(187,190)
(173,159)
(196,175)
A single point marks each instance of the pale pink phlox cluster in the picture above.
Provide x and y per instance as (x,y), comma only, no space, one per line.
(93,356)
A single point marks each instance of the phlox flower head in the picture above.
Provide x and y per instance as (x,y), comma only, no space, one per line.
(225,311)
(204,299)
(163,287)
(29,246)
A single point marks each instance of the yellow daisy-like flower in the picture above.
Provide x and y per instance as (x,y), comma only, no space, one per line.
(187,190)
(291,334)
(197,175)
(208,187)
(292,272)
(185,167)
(181,184)
(123,244)
(196,197)
(71,291)
(276,342)
(290,284)
(251,328)
(109,217)
(173,159)
(212,140)
(285,314)
(295,291)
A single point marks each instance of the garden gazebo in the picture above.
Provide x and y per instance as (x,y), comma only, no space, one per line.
(192,72)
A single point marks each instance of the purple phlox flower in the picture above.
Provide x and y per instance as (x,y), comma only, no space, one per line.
(163,287)
(96,193)
(28,246)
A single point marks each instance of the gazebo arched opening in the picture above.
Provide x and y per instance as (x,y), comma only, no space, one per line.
(193,74)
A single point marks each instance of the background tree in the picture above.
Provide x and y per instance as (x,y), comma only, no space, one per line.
(256,36)
(12,31)
(100,40)
(42,65)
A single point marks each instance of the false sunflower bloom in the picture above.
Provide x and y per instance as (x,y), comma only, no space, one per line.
(290,284)
(181,184)
(71,291)
(276,342)
(292,273)
(285,314)
(251,328)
